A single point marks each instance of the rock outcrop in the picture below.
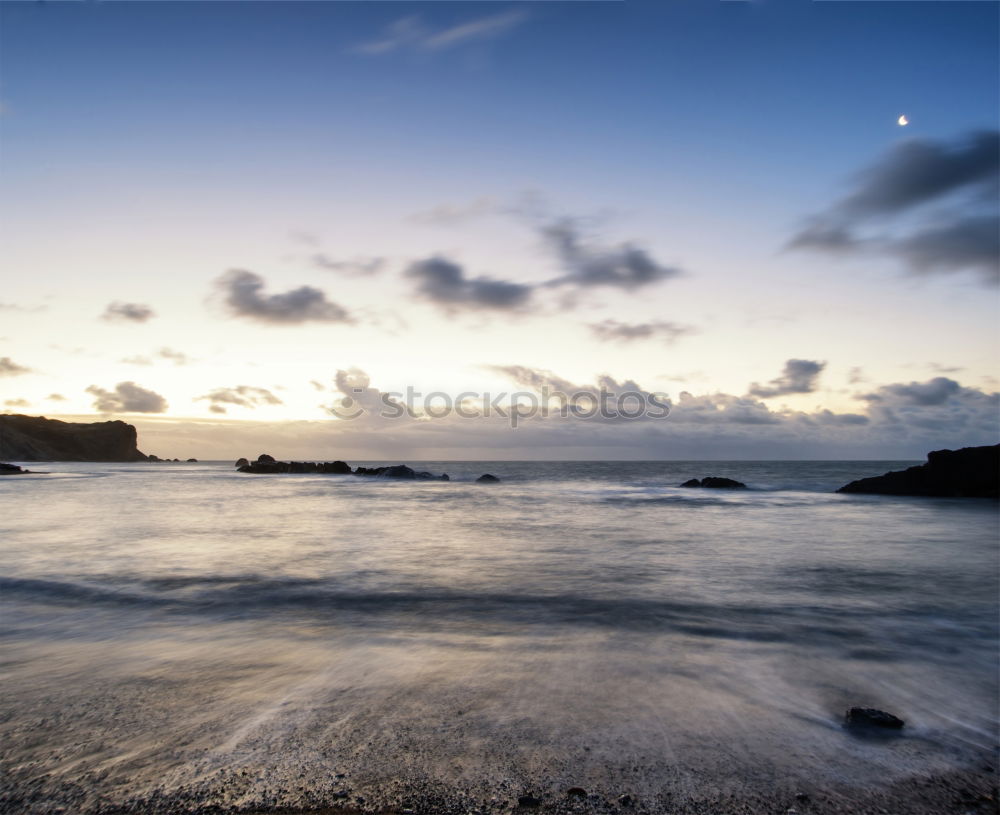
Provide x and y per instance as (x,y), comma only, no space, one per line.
(35,438)
(267,465)
(972,472)
(400,471)
(714,482)
(11,469)
(486,478)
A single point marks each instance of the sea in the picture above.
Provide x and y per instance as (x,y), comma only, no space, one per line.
(184,637)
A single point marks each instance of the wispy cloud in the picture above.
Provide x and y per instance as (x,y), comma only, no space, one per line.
(242,396)
(412,33)
(358,267)
(10,368)
(959,179)
(128,312)
(615,331)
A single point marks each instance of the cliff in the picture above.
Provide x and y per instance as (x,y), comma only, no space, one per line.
(35,438)
(972,472)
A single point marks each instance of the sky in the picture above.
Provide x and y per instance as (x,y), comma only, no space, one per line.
(222,220)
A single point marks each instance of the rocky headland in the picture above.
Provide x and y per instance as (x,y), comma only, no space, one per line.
(972,472)
(36,438)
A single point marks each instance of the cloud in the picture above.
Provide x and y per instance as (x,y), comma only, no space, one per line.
(444,283)
(361,402)
(939,405)
(17,307)
(933,205)
(700,426)
(936,391)
(242,395)
(244,297)
(10,368)
(359,267)
(613,330)
(177,357)
(17,403)
(56,397)
(127,397)
(626,266)
(128,312)
(317,385)
(447,214)
(799,376)
(410,33)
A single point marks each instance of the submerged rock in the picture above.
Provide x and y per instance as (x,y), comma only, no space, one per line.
(529,802)
(872,717)
(714,482)
(972,472)
(486,478)
(576,792)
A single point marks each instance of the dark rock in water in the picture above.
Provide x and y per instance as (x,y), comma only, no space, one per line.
(972,472)
(486,478)
(576,792)
(714,482)
(529,802)
(400,471)
(10,469)
(266,465)
(723,483)
(192,461)
(626,801)
(35,438)
(152,457)
(872,717)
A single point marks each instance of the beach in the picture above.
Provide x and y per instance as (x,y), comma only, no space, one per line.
(185,638)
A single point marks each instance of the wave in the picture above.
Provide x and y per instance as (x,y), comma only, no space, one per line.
(862,629)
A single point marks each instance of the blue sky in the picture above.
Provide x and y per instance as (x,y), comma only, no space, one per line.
(149,147)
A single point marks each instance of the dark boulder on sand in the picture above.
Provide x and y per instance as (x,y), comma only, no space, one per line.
(714,482)
(872,717)
(486,478)
(972,472)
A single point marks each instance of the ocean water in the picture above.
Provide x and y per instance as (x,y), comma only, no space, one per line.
(185,632)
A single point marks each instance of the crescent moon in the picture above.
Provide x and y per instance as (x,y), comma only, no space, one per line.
(902,121)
